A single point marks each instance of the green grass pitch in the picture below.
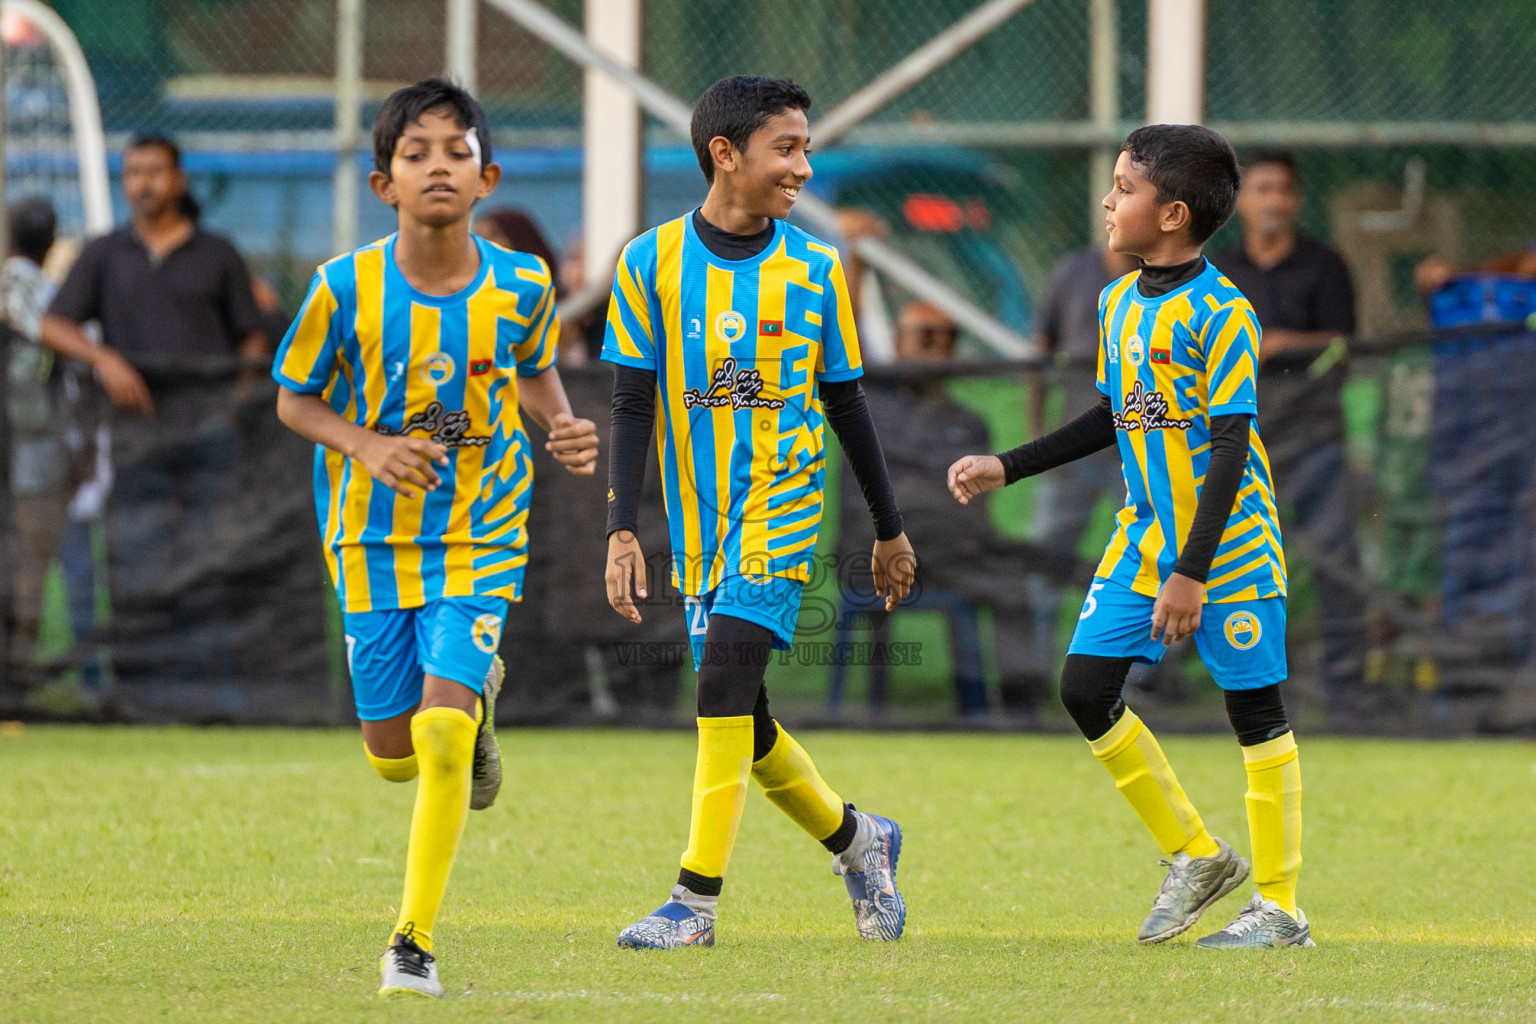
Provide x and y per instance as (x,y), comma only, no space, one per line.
(222,875)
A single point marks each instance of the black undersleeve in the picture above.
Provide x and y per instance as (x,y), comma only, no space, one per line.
(1257,716)
(629,437)
(847,412)
(736,654)
(1091,432)
(1090,691)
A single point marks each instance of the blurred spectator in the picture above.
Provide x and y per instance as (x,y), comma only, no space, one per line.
(581,336)
(1480,467)
(877,337)
(40,457)
(269,306)
(1305,301)
(514,229)
(178,318)
(923,430)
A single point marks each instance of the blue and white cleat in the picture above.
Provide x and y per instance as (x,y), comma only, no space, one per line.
(670,927)
(868,868)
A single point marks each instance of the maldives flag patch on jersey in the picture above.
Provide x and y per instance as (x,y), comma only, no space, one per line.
(771,327)
(479,366)
(1162,355)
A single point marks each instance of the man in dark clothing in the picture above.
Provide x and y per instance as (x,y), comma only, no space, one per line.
(923,430)
(177,318)
(1305,301)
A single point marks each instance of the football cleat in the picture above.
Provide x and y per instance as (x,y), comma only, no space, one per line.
(1262,925)
(1192,885)
(485,779)
(408,970)
(879,912)
(670,927)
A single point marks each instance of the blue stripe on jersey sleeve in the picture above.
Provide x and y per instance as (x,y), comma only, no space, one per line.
(310,342)
(634,276)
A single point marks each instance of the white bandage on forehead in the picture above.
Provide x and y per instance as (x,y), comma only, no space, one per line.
(472,140)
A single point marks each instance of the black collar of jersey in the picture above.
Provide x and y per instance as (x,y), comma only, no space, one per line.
(1158,281)
(730,246)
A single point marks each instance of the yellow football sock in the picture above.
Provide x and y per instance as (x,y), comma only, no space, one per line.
(1274,818)
(395,769)
(791,781)
(719,793)
(1144,777)
(445,746)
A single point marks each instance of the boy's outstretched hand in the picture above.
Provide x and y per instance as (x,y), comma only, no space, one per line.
(625,573)
(402,463)
(894,566)
(975,474)
(1176,612)
(574,443)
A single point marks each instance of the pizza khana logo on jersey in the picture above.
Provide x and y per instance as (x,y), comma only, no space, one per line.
(486,633)
(1243,630)
(730,326)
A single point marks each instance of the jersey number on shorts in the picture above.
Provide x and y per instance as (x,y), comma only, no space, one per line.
(1092,604)
(698,617)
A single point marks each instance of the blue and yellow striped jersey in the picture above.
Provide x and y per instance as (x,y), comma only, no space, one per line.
(737,347)
(1168,364)
(392,359)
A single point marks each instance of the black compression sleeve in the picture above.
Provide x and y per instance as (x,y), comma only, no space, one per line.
(848,415)
(634,413)
(1223,478)
(1091,432)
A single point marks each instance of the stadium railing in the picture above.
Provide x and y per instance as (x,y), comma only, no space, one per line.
(232,619)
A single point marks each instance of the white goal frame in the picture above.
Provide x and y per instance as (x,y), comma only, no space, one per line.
(84,110)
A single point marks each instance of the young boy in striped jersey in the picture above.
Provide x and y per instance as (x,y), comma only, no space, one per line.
(1196,550)
(739,325)
(407,367)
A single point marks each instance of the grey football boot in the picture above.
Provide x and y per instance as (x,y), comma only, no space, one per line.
(1192,885)
(406,969)
(485,779)
(1262,925)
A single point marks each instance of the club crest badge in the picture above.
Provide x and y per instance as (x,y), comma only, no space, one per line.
(730,326)
(437,369)
(486,632)
(1243,630)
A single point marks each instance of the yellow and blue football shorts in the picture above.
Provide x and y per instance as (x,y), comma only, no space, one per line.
(1241,642)
(770,601)
(389,651)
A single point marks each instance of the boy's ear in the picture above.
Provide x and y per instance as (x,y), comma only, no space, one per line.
(723,153)
(1174,216)
(383,186)
(490,177)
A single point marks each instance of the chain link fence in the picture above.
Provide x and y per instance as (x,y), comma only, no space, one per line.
(1360,88)
(1414,124)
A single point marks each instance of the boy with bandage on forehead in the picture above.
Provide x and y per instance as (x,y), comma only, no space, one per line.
(407,367)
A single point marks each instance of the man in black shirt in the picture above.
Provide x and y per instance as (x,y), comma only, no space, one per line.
(968,564)
(1305,301)
(177,318)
